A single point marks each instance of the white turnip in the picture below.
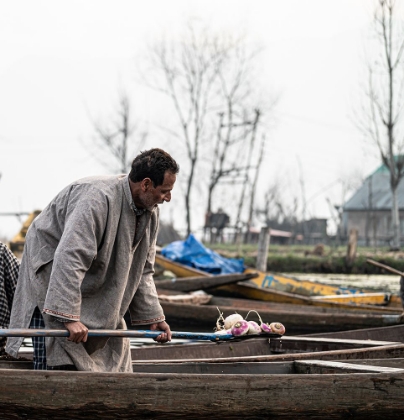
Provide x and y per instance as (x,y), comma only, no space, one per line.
(277,328)
(231,320)
(253,328)
(226,324)
(240,328)
(274,327)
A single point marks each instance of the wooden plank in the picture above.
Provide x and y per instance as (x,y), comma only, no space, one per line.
(257,346)
(252,347)
(385,267)
(79,395)
(390,333)
(380,299)
(250,368)
(377,352)
(391,362)
(190,284)
(261,368)
(327,367)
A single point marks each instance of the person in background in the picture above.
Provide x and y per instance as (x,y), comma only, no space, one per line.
(9,267)
(88,259)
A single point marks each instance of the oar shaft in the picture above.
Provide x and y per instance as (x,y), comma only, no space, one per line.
(30,332)
(386,267)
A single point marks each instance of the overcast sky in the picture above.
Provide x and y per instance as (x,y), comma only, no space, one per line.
(61,60)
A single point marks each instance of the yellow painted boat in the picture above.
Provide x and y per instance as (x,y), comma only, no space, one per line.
(281,289)
(300,287)
(180,270)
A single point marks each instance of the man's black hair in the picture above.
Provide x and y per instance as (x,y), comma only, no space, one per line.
(153,164)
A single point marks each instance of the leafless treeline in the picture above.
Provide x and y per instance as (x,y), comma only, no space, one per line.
(220,122)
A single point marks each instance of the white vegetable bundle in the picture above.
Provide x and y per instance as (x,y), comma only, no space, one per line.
(236,325)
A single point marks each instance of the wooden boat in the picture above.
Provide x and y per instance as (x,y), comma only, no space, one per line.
(298,319)
(289,381)
(264,349)
(285,390)
(279,288)
(251,291)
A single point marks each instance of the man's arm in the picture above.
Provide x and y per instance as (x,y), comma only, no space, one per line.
(162,326)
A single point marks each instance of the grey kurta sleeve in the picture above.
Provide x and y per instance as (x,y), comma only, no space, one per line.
(86,215)
(145,307)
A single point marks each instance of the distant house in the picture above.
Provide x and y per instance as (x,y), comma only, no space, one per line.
(369,210)
(312,231)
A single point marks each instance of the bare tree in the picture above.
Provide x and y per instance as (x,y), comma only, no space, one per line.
(279,213)
(382,119)
(206,75)
(247,173)
(187,72)
(116,137)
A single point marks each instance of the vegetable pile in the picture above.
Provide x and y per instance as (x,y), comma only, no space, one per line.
(236,325)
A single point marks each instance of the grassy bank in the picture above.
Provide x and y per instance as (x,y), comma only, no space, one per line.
(303,259)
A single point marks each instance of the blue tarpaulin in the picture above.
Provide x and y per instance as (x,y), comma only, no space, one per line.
(193,253)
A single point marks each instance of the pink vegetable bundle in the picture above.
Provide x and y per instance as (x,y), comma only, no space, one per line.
(236,325)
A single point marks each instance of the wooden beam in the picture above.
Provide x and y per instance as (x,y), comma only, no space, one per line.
(385,267)
(190,284)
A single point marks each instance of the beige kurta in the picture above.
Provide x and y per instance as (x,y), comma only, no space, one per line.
(88,257)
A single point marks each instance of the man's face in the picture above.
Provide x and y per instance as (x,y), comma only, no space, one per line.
(152,196)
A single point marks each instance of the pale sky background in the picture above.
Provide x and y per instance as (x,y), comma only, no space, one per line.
(60,60)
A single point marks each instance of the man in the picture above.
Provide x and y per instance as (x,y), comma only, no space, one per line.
(9,267)
(88,259)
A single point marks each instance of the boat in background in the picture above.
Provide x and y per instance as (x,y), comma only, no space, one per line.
(279,288)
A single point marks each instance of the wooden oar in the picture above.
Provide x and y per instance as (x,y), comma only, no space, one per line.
(31,332)
(386,267)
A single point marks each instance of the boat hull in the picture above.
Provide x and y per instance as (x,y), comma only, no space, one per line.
(282,289)
(77,395)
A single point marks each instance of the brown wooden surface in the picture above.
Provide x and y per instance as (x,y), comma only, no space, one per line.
(257,346)
(68,395)
(378,352)
(391,333)
(297,320)
(249,347)
(190,284)
(385,267)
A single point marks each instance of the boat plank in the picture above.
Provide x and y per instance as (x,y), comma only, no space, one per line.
(377,352)
(389,333)
(78,395)
(190,284)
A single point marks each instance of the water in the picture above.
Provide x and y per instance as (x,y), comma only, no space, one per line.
(389,283)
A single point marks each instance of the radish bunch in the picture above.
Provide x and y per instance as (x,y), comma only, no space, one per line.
(236,325)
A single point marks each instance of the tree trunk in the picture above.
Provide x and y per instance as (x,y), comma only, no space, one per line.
(395,220)
(263,244)
(352,244)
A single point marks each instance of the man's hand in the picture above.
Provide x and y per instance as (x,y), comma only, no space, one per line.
(78,331)
(163,326)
